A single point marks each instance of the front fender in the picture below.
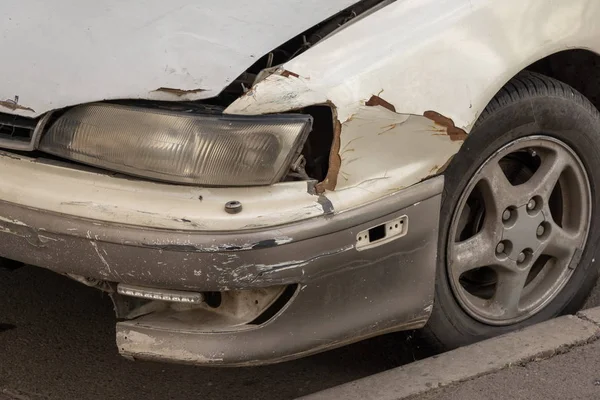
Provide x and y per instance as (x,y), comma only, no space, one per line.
(408,82)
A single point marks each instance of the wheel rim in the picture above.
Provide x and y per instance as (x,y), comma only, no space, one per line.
(519,230)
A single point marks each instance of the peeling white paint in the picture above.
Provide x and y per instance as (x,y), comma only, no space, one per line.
(282,240)
(6,230)
(133,342)
(106,264)
(448,56)
(282,266)
(137,338)
(46,239)
(12,221)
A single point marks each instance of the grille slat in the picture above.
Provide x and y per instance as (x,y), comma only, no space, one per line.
(17,132)
(16,127)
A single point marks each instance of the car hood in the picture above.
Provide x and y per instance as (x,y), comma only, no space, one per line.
(60,53)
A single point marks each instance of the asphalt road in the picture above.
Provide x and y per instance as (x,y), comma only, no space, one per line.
(58,343)
(62,347)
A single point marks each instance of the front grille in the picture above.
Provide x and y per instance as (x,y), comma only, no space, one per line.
(17,132)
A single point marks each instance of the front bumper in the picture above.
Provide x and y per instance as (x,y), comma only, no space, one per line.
(343,295)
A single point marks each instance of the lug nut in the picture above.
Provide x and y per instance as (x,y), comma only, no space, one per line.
(506,215)
(531,204)
(540,230)
(521,257)
(500,248)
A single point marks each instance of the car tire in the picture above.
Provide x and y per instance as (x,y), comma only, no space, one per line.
(530,106)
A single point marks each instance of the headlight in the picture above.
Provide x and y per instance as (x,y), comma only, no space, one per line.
(214,150)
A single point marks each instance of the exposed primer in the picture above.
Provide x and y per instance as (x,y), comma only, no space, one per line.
(14,105)
(455,133)
(178,92)
(378,101)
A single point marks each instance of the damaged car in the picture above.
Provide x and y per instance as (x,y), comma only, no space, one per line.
(254,182)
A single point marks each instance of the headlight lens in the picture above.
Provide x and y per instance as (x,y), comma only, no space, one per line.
(212,150)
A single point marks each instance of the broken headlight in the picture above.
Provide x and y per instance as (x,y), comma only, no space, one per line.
(213,150)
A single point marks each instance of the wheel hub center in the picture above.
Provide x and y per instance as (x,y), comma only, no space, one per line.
(521,230)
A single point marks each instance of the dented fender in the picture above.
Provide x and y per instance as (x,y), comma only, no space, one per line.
(407,83)
(375,151)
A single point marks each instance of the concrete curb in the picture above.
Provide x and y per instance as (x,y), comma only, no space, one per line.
(535,342)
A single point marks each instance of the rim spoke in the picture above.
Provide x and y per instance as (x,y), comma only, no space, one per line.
(475,252)
(546,177)
(561,243)
(497,192)
(508,292)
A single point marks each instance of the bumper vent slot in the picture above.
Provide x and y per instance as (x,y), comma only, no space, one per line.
(20,133)
(14,127)
(382,234)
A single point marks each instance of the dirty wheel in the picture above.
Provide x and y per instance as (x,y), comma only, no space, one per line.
(518,227)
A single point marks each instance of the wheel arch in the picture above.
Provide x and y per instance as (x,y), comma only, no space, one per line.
(577,67)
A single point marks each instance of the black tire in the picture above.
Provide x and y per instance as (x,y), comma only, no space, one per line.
(529,104)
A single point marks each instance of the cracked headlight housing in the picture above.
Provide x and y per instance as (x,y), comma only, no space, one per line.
(178,147)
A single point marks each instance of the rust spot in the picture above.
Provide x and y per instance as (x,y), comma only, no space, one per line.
(443,167)
(287,74)
(14,105)
(452,130)
(179,92)
(335,161)
(387,128)
(350,118)
(437,128)
(378,101)
(437,170)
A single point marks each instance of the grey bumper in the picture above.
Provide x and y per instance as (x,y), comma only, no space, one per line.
(343,295)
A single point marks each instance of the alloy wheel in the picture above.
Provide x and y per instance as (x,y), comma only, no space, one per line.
(519,230)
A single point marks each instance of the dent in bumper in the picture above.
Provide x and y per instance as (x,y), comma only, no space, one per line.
(349,297)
